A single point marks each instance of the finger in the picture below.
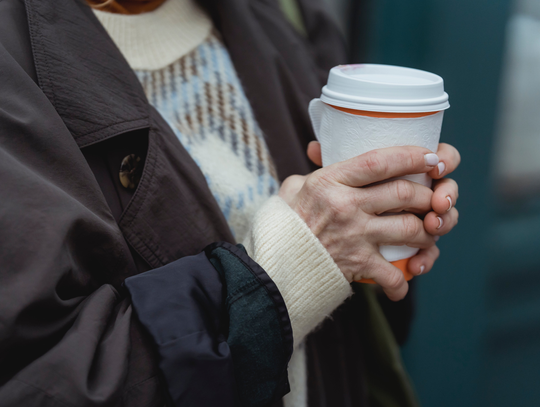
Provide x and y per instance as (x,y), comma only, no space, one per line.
(423,262)
(314,153)
(389,277)
(395,196)
(400,229)
(382,164)
(449,159)
(445,195)
(437,224)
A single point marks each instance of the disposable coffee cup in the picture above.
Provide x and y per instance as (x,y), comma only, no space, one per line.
(365,107)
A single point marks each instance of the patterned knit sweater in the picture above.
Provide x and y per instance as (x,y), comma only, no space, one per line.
(201,98)
(189,78)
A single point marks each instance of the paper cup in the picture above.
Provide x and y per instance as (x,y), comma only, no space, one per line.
(367,107)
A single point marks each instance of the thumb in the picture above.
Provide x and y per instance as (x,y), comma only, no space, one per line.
(314,153)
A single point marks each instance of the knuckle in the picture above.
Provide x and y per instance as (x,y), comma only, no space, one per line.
(429,196)
(321,178)
(317,181)
(371,229)
(292,181)
(338,208)
(394,280)
(368,263)
(405,191)
(374,164)
(409,159)
(411,226)
(311,181)
(359,198)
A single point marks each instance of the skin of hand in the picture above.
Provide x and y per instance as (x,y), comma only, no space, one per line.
(341,207)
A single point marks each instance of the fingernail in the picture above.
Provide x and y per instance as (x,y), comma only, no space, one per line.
(449,203)
(431,159)
(440,222)
(436,238)
(441,166)
(422,268)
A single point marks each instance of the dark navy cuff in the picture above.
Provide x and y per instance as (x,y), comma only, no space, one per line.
(221,328)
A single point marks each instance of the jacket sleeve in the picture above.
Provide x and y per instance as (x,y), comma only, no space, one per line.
(224,319)
(68,332)
(65,330)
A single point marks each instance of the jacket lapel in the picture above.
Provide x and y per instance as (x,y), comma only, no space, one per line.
(98,96)
(82,72)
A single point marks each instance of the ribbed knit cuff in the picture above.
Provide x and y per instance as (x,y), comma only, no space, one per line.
(309,280)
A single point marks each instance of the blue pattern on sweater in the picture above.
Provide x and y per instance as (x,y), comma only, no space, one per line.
(202,100)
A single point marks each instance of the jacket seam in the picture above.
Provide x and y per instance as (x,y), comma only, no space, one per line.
(139,199)
(139,241)
(42,72)
(244,289)
(141,382)
(82,144)
(140,195)
(56,400)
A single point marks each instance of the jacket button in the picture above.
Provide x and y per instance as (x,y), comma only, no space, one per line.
(130,171)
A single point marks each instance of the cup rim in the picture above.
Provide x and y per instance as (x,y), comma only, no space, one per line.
(364,87)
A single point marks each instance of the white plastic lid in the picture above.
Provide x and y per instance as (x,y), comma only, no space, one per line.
(385,88)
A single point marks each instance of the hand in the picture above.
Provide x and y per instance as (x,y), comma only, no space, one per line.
(344,216)
(444,216)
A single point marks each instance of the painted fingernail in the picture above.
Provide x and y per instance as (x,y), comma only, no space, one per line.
(449,203)
(441,166)
(436,238)
(431,159)
(422,268)
(440,222)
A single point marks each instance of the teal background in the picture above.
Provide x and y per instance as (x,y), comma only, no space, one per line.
(476,337)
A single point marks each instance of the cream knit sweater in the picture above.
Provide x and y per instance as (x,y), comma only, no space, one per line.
(276,237)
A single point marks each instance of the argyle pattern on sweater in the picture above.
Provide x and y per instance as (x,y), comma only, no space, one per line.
(201,98)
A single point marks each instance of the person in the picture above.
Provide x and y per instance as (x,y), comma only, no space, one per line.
(135,134)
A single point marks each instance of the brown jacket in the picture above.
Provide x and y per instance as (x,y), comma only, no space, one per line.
(70,110)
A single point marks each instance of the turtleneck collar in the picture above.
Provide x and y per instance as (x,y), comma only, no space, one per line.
(155,39)
(125,6)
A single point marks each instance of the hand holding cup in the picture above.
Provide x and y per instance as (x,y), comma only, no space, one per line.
(342,208)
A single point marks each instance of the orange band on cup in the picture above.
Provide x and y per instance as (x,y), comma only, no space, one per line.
(382,114)
(400,264)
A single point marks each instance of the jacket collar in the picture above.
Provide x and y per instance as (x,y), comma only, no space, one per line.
(83,73)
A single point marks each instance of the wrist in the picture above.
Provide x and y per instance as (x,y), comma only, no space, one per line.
(311,283)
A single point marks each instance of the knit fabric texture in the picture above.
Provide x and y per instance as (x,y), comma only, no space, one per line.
(201,98)
(156,39)
(307,277)
(279,239)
